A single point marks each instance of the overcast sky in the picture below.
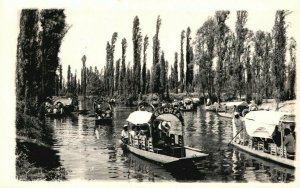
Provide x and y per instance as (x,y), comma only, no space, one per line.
(92,27)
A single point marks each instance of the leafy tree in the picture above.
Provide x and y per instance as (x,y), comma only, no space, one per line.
(137,48)
(148,77)
(123,67)
(182,60)
(69,79)
(292,69)
(111,64)
(221,48)
(189,60)
(278,66)
(175,73)
(117,75)
(53,30)
(241,33)
(156,56)
(28,72)
(83,76)
(144,69)
(163,75)
(205,44)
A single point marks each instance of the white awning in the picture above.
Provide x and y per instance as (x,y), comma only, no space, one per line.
(139,117)
(263,123)
(242,103)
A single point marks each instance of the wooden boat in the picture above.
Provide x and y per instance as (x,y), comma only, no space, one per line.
(188,105)
(260,130)
(148,147)
(60,107)
(227,109)
(103,112)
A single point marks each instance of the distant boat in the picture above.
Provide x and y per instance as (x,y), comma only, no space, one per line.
(188,105)
(157,145)
(103,112)
(227,109)
(261,128)
(61,107)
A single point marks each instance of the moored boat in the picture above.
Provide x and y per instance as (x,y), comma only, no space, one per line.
(227,109)
(60,107)
(187,105)
(263,136)
(155,142)
(103,112)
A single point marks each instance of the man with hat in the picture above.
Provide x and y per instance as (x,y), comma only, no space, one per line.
(237,124)
(125,134)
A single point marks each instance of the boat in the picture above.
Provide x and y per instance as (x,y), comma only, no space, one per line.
(227,109)
(103,112)
(60,107)
(196,101)
(157,145)
(263,135)
(187,105)
(145,106)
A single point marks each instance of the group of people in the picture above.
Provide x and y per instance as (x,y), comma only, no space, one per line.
(58,108)
(127,137)
(289,139)
(160,133)
(102,112)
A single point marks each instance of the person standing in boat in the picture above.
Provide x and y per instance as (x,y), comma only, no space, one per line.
(125,134)
(289,142)
(237,124)
(132,134)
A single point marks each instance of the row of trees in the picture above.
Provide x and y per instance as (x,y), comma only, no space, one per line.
(228,63)
(40,37)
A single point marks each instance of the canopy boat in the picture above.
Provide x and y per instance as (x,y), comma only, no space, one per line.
(196,101)
(60,107)
(187,105)
(154,142)
(263,136)
(227,109)
(145,106)
(103,112)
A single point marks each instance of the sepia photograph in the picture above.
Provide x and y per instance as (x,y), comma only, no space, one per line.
(150,91)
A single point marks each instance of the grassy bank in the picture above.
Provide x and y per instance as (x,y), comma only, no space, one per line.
(33,151)
(285,106)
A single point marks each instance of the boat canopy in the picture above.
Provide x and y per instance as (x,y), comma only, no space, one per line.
(64,101)
(263,123)
(187,100)
(104,105)
(196,99)
(139,117)
(242,103)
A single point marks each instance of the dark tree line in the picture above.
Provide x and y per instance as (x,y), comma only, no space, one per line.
(218,63)
(40,37)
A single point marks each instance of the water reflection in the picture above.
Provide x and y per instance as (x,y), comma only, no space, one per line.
(92,152)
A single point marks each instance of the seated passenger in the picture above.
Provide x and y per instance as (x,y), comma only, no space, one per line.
(289,142)
(125,134)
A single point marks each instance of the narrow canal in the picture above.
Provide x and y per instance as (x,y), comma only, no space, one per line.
(93,152)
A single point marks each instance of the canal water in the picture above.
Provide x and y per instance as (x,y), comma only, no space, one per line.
(92,152)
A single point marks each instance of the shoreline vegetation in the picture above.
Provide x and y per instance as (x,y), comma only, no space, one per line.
(231,64)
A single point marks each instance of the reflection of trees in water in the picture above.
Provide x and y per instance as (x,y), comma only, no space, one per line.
(248,168)
(141,169)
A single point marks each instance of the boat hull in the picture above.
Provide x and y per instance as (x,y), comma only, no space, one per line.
(191,153)
(266,156)
(103,121)
(58,115)
(227,115)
